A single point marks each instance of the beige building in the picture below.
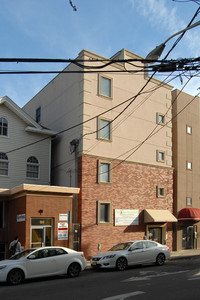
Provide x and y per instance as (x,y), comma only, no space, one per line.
(115,145)
(186,162)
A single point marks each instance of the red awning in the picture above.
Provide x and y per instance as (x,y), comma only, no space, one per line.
(189,214)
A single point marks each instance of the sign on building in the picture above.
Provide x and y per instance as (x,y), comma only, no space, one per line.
(126,217)
(62,231)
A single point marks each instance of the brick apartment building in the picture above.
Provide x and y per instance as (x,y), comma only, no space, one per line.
(106,147)
(186,162)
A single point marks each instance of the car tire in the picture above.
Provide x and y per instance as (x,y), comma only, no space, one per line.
(74,270)
(121,264)
(160,259)
(15,276)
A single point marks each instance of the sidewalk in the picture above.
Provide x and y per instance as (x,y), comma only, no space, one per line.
(184,253)
(174,255)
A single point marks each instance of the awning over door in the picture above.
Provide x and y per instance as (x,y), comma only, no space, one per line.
(189,214)
(158,215)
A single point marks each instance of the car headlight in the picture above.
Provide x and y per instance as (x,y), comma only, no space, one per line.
(108,256)
(3,267)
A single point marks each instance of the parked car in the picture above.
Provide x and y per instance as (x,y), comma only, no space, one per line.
(130,253)
(41,262)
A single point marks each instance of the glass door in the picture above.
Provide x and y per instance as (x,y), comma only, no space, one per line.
(188,237)
(41,235)
(155,234)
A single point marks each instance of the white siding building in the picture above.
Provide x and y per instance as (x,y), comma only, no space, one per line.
(25,148)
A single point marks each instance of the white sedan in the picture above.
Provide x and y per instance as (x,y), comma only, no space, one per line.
(131,253)
(42,262)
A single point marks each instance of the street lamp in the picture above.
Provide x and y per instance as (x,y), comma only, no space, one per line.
(156,53)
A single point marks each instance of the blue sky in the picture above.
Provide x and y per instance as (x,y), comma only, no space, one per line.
(52,29)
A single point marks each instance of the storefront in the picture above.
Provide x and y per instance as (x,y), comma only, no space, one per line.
(38,215)
(188,228)
(159,225)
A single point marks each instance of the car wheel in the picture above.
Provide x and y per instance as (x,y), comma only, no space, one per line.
(74,270)
(121,264)
(160,259)
(15,276)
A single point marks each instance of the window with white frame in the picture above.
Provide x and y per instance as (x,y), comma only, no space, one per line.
(188,129)
(3,127)
(32,167)
(104,172)
(188,201)
(104,129)
(160,191)
(160,156)
(104,214)
(160,118)
(105,86)
(3,164)
(189,165)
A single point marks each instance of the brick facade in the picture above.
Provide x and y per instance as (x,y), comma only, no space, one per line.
(133,187)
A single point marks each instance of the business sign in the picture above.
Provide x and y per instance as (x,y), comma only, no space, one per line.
(126,217)
(63,217)
(21,218)
(63,231)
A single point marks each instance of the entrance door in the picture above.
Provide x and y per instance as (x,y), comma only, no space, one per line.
(41,235)
(155,234)
(188,237)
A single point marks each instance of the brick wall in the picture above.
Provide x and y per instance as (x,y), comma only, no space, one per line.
(133,187)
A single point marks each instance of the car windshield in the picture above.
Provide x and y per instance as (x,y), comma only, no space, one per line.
(21,254)
(121,246)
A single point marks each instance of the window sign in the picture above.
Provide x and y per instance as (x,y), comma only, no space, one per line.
(126,217)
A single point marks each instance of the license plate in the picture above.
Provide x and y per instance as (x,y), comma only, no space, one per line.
(94,263)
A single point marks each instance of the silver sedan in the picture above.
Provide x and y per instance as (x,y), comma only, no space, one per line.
(131,253)
(41,262)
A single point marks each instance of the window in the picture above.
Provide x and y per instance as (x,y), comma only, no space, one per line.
(32,170)
(189,165)
(3,127)
(160,156)
(105,86)
(104,131)
(3,164)
(38,115)
(160,192)
(1,214)
(188,201)
(104,212)
(104,175)
(189,129)
(160,118)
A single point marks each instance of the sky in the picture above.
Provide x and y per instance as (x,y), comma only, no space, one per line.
(52,29)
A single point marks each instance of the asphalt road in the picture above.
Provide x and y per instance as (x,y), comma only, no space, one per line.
(177,279)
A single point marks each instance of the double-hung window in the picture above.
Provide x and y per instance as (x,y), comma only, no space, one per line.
(160,156)
(3,164)
(160,191)
(104,212)
(32,168)
(105,86)
(104,175)
(104,129)
(3,127)
(160,118)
